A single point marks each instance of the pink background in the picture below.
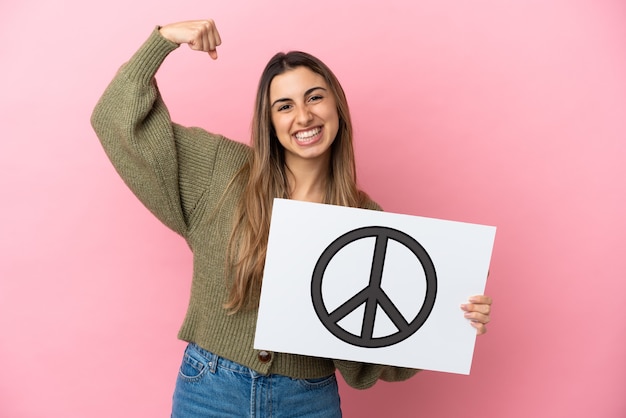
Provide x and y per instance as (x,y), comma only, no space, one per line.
(508,113)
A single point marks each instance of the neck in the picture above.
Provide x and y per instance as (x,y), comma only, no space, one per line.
(307,180)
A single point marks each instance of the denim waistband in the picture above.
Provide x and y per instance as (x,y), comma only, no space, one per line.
(210,385)
(217,361)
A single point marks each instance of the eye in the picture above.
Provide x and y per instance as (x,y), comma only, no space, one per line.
(284,107)
(316,98)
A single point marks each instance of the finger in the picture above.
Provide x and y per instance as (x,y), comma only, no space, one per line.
(480,328)
(214,41)
(481,299)
(477,317)
(473,307)
(207,34)
(218,38)
(212,47)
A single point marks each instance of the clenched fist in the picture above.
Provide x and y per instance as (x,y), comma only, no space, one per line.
(200,35)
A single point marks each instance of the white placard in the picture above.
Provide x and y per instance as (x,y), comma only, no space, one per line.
(369,286)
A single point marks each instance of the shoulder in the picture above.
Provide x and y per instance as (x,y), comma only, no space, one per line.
(368,203)
(235,148)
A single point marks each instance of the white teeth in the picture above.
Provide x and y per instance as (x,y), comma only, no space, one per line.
(303,136)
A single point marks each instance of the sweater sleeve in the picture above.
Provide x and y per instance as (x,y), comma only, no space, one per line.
(364,375)
(164,164)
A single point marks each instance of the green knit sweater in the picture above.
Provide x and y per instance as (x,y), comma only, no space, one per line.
(180,174)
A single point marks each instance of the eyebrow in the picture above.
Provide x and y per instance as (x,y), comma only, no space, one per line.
(306,93)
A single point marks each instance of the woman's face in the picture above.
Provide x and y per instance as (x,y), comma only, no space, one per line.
(304,115)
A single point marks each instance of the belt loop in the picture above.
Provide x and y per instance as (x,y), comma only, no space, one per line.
(213,362)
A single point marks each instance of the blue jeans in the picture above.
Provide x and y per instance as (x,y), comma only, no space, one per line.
(211,386)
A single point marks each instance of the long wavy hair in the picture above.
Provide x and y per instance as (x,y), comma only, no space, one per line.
(265,177)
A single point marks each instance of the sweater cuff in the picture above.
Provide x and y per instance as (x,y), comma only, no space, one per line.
(146,61)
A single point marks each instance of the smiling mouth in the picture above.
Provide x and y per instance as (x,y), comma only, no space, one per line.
(306,137)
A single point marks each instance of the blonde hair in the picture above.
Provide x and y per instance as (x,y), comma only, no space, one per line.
(265,177)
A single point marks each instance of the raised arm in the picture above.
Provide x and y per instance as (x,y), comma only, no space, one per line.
(166,165)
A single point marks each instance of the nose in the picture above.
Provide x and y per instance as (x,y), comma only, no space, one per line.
(304,115)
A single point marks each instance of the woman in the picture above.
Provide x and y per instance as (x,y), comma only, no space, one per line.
(217,194)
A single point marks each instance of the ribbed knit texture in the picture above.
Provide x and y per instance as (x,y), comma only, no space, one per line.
(181,175)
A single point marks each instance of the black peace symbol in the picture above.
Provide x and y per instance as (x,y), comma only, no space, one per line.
(373,295)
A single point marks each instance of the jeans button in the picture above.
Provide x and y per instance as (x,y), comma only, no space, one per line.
(264,356)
